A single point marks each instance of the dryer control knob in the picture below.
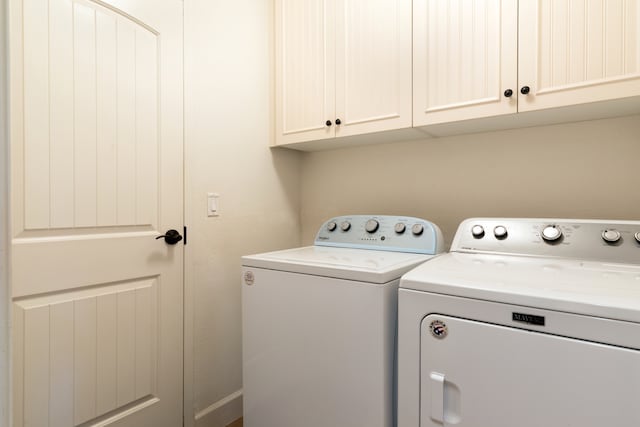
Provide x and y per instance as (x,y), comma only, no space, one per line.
(477,231)
(400,228)
(611,236)
(551,233)
(500,232)
(417,229)
(371,226)
(345,225)
(638,237)
(331,226)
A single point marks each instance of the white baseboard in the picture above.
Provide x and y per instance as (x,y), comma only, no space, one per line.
(221,413)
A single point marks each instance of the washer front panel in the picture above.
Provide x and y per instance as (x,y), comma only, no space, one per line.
(317,351)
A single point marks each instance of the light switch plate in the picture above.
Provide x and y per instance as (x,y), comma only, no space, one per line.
(212,204)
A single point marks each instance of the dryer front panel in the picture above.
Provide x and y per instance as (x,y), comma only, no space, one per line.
(478,374)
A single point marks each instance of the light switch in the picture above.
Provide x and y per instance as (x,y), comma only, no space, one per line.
(212,204)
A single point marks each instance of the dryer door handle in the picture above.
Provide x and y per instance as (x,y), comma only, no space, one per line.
(445,400)
(437,397)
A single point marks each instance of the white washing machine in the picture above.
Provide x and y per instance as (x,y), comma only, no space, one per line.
(526,322)
(319,323)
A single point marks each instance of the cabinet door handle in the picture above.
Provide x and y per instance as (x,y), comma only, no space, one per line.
(525,90)
(508,93)
(338,121)
(328,123)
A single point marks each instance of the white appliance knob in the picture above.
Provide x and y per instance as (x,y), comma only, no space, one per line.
(477,231)
(611,236)
(331,226)
(500,232)
(551,233)
(371,226)
(400,228)
(638,237)
(417,229)
(345,225)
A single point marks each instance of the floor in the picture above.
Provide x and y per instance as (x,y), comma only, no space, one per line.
(236,423)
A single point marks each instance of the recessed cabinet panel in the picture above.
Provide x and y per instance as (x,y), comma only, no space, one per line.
(86,352)
(465,58)
(373,65)
(89,75)
(578,51)
(305,70)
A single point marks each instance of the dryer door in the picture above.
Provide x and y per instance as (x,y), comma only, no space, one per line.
(478,375)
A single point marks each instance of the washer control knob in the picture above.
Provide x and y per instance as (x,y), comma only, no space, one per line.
(477,231)
(638,237)
(551,233)
(417,229)
(371,226)
(331,226)
(611,236)
(400,228)
(500,232)
(345,225)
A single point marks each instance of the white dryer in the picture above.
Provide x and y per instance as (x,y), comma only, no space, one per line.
(526,322)
(319,323)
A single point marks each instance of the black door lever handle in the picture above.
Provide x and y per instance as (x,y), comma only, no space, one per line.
(171,237)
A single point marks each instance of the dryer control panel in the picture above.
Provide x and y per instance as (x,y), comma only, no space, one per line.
(596,240)
(381,232)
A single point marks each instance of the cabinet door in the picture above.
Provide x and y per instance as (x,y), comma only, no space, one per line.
(464,59)
(305,70)
(373,65)
(578,51)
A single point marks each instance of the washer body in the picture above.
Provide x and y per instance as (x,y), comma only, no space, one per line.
(319,326)
(523,331)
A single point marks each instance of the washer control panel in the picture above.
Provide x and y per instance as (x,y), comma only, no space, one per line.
(610,241)
(381,232)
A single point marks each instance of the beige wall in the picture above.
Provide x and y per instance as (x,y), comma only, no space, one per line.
(579,170)
(228,126)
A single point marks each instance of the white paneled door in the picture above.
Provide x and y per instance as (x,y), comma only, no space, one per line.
(96,158)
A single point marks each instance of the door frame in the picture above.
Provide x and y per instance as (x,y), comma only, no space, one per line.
(188,289)
(188,294)
(5,306)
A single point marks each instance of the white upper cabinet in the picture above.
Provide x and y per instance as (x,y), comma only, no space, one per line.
(373,65)
(481,58)
(465,59)
(305,70)
(343,67)
(578,51)
(438,67)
